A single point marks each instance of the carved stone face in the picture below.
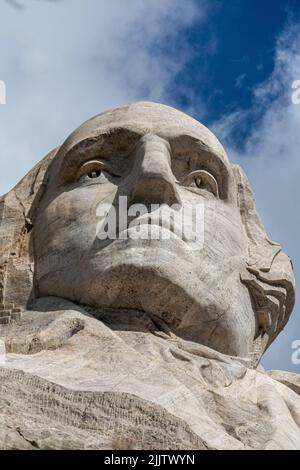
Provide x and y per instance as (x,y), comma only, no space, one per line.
(151,154)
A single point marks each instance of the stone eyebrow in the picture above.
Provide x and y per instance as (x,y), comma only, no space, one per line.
(97,145)
(203,157)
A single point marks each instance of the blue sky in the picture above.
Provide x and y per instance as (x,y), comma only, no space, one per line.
(229,63)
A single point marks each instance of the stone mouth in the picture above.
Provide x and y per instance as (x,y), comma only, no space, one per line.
(159,229)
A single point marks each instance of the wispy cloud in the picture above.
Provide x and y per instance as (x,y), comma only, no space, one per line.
(66,61)
(271,158)
(240,79)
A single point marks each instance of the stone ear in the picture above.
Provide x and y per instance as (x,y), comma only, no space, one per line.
(269,275)
(16,257)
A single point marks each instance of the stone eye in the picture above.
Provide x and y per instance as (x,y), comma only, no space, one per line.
(94,174)
(92,170)
(202,179)
(96,170)
(199,182)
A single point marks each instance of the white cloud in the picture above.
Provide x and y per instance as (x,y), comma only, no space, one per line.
(239,81)
(271,159)
(66,61)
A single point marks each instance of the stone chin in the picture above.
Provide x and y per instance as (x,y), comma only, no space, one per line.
(152,280)
(129,274)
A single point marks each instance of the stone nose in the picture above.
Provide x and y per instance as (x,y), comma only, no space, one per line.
(154,182)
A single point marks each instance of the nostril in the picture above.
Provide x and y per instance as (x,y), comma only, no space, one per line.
(155,191)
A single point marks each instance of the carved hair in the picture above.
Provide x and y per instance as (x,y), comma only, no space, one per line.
(269,272)
(17,208)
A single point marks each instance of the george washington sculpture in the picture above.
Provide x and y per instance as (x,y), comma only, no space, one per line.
(133,341)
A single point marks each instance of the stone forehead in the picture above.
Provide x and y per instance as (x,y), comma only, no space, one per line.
(146,117)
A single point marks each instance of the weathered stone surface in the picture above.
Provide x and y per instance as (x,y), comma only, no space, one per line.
(287,378)
(141,343)
(56,417)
